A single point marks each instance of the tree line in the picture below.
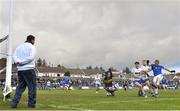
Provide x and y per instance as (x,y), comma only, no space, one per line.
(43,63)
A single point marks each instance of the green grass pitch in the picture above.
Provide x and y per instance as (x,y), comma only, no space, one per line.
(89,100)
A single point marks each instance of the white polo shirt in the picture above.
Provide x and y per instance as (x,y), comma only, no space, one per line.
(25,54)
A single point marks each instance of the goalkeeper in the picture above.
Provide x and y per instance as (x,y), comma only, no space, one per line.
(109,83)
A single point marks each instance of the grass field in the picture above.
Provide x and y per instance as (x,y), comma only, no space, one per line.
(89,100)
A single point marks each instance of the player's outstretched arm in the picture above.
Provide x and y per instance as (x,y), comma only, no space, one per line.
(167,70)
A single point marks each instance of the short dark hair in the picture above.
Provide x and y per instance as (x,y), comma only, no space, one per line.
(156,60)
(30,38)
(136,62)
(148,61)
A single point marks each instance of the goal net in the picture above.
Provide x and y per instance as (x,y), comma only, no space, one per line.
(5,44)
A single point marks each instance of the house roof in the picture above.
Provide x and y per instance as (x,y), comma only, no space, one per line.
(50,70)
(72,71)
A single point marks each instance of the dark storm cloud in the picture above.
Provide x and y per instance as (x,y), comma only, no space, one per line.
(102,32)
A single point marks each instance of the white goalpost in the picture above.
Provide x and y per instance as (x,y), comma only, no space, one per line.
(7,90)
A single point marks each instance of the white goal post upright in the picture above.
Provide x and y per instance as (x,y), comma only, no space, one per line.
(8,88)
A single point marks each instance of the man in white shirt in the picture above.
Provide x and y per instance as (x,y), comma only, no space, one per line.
(24,58)
(146,67)
(97,83)
(48,84)
(139,78)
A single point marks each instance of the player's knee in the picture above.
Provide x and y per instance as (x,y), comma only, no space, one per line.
(140,86)
(155,86)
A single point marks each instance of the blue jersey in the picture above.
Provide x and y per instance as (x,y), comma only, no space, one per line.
(157,69)
(164,81)
(66,80)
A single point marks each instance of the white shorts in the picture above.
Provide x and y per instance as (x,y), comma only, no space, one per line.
(164,85)
(66,85)
(98,84)
(157,79)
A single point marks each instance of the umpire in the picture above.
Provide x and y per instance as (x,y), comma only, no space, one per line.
(24,56)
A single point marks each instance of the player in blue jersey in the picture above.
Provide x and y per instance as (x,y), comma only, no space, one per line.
(66,82)
(164,83)
(158,76)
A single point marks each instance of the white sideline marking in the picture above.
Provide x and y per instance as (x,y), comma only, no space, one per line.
(106,102)
(74,106)
(62,106)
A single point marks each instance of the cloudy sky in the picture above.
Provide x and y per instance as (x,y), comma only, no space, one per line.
(98,32)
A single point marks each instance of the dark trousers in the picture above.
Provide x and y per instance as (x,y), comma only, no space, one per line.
(26,78)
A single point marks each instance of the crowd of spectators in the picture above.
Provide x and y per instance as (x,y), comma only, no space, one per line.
(44,84)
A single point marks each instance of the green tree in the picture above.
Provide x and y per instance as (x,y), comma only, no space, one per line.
(126,70)
(67,73)
(39,62)
(2,62)
(96,67)
(59,65)
(102,69)
(44,63)
(113,69)
(89,67)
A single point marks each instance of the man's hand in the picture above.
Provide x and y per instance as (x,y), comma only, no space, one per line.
(19,64)
(173,71)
